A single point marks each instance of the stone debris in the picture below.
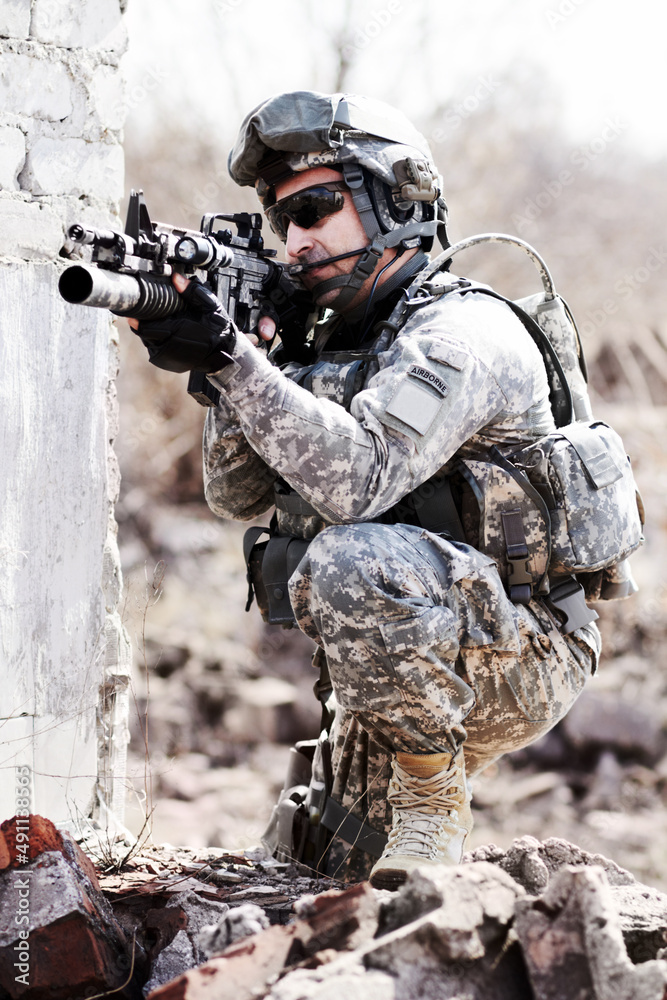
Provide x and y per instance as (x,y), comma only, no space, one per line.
(607,720)
(184,950)
(335,922)
(540,921)
(573,945)
(235,925)
(67,942)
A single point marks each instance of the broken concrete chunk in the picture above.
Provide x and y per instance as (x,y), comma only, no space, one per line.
(474,908)
(531,863)
(573,945)
(239,923)
(642,914)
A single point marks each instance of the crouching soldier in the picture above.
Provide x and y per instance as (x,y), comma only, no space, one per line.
(372,433)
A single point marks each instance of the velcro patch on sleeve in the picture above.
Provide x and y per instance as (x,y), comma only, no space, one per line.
(448,355)
(414,405)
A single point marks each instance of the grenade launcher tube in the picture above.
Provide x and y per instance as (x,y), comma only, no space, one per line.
(143,296)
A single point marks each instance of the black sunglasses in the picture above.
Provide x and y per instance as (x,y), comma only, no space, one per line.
(306,207)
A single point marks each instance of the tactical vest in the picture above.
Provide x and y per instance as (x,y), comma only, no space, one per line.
(559,516)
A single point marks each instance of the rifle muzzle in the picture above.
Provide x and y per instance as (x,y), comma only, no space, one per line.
(142,297)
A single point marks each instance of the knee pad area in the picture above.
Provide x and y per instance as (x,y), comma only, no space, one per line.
(365,560)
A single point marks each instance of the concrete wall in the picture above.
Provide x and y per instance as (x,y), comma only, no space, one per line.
(64,655)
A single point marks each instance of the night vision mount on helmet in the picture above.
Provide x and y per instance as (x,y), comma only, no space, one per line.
(384,160)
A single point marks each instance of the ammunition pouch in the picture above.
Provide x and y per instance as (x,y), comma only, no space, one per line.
(596,515)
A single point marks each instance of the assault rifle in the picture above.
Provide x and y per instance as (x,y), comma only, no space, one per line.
(130,274)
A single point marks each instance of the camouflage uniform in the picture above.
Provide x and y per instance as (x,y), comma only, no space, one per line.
(424,648)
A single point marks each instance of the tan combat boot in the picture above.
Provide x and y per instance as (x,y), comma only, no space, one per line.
(431,816)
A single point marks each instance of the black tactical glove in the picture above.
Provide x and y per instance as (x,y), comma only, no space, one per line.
(200,338)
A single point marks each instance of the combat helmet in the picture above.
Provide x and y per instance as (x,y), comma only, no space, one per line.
(385,163)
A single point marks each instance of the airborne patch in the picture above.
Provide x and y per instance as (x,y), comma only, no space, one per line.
(428,376)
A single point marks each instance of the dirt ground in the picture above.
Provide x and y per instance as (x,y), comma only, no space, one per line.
(219,697)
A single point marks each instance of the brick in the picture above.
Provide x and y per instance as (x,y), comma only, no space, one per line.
(29,230)
(90,24)
(35,86)
(14,18)
(5,856)
(74,167)
(12,157)
(74,945)
(41,836)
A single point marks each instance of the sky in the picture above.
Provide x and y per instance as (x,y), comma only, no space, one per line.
(208,62)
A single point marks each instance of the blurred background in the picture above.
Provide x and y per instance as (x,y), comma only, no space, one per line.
(546,120)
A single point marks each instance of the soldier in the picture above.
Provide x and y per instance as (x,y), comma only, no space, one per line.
(354,431)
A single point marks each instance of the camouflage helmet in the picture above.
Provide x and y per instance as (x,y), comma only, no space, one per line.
(374,145)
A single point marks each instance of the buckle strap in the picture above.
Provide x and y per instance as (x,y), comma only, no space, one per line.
(520,582)
(250,539)
(567,598)
(323,690)
(524,482)
(350,828)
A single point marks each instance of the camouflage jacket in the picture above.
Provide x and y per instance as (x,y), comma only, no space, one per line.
(461,375)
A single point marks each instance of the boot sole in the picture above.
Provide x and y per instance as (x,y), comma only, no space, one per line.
(388,878)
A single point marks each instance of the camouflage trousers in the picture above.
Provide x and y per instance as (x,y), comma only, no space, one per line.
(426,653)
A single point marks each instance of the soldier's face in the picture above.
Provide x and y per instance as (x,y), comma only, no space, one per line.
(334,234)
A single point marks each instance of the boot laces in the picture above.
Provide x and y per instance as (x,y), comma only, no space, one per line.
(423,805)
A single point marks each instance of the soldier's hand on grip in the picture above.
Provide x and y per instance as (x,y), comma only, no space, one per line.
(200,338)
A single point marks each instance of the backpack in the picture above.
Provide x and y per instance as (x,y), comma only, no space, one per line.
(564,510)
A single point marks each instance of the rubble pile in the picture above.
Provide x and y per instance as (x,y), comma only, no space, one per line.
(482,931)
(540,921)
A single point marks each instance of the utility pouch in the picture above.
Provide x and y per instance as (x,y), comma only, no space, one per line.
(566,506)
(270,564)
(289,817)
(585,477)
